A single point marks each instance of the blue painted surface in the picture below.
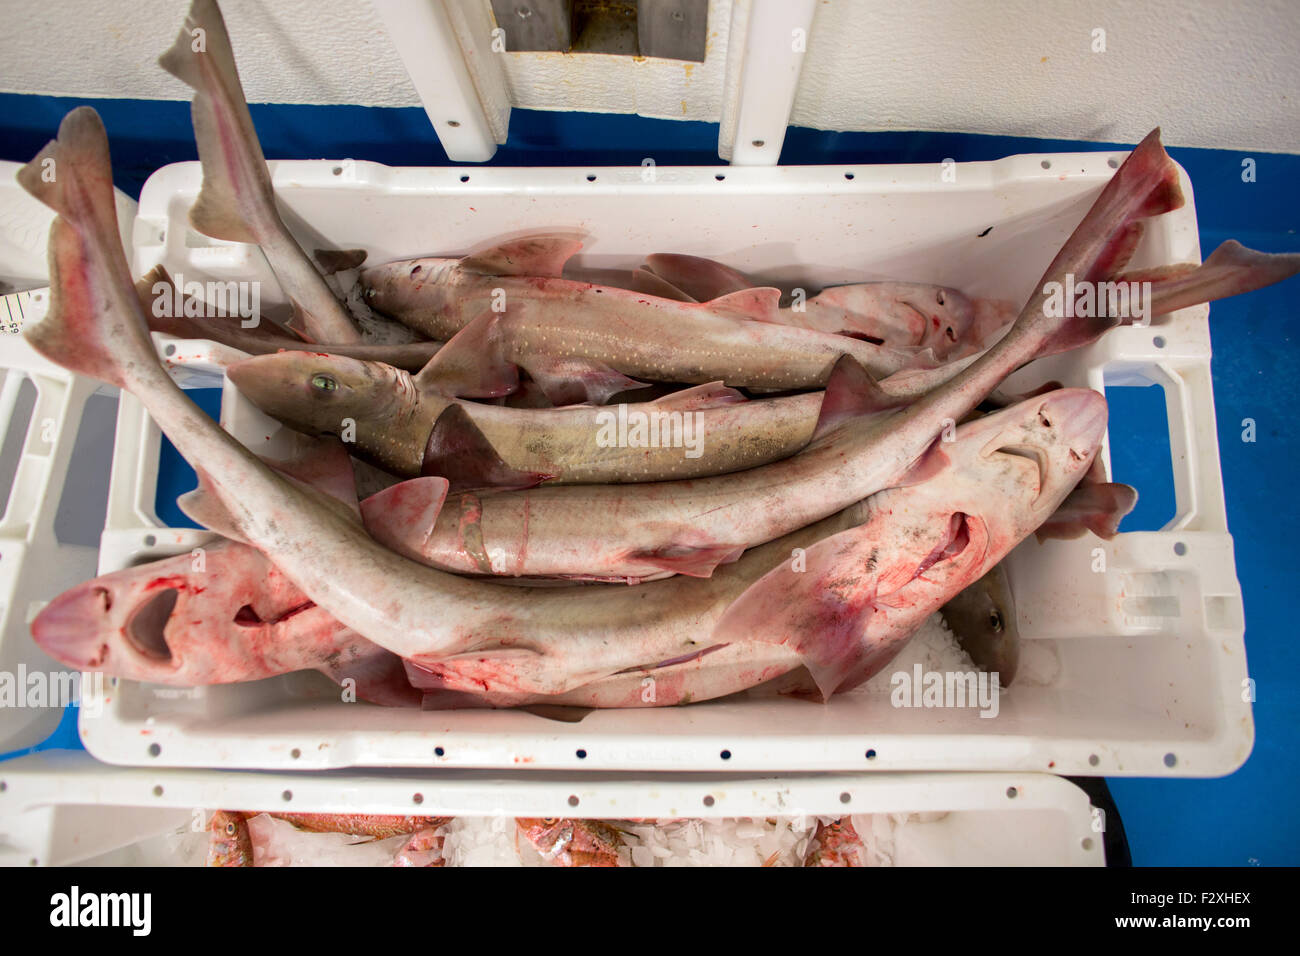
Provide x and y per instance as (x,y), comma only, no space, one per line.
(1242,819)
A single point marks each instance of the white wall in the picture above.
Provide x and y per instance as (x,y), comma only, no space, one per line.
(1210,72)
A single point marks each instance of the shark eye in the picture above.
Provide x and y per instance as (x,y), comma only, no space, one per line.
(939,297)
(995,620)
(324,383)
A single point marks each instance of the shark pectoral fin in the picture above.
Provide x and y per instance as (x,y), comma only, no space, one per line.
(1098,507)
(931,462)
(643,280)
(1231,269)
(711,395)
(851,392)
(573,381)
(459,451)
(543,256)
(690,561)
(759,304)
(702,279)
(471,364)
(402,516)
(818,604)
(339,260)
(204,507)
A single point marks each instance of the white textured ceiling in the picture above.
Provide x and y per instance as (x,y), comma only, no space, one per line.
(1210,73)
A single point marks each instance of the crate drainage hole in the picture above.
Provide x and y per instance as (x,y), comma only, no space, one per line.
(848,175)
(154,750)
(158,790)
(1170,760)
(758,144)
(871,755)
(169,350)
(453,123)
(719,177)
(591,178)
(1113,163)
(438,751)
(464,179)
(844,797)
(1087,843)
(1093,760)
(418,798)
(287,796)
(708,800)
(337,170)
(1180,549)
(1012,793)
(1046,164)
(582,754)
(1158,341)
(573,801)
(295,753)
(725,755)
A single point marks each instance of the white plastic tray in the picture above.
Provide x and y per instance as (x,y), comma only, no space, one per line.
(1150,651)
(56,808)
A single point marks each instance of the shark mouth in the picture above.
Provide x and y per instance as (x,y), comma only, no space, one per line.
(1034,453)
(145,628)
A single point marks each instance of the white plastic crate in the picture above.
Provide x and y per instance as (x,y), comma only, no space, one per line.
(1149,653)
(61,808)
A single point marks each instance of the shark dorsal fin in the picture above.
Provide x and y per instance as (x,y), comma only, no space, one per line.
(543,255)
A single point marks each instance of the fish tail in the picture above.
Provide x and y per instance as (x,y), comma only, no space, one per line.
(236,202)
(73,176)
(1146,184)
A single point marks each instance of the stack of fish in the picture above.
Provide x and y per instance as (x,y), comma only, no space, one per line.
(530,546)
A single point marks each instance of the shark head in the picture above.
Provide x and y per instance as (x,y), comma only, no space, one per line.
(396,288)
(318,394)
(196,618)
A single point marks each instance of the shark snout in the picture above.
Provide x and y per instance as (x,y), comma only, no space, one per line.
(71,627)
(1078,417)
(87,628)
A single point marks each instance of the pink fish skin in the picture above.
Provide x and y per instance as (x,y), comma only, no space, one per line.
(843,605)
(221,616)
